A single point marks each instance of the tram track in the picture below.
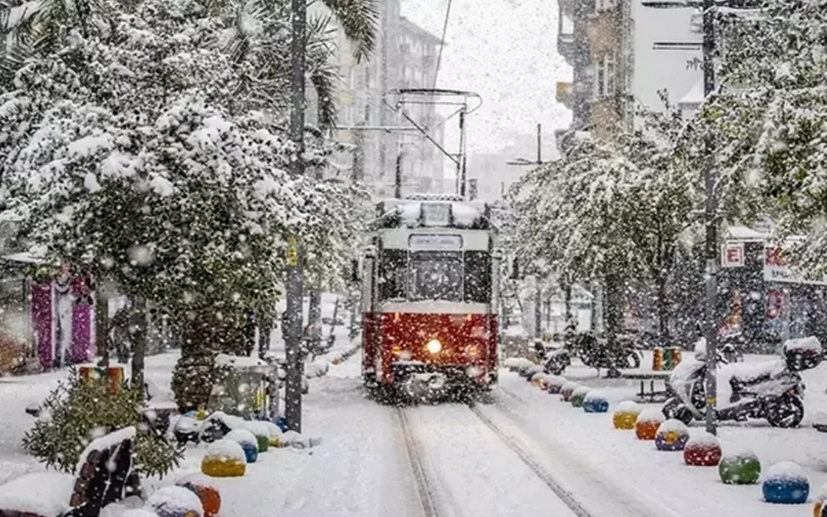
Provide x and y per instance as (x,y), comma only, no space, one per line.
(427,486)
(423,486)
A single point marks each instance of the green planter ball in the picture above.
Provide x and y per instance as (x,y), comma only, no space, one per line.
(263,443)
(579,396)
(740,469)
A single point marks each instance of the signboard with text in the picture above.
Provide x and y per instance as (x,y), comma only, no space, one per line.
(732,255)
(777,269)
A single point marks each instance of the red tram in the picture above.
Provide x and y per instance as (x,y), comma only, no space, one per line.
(429,292)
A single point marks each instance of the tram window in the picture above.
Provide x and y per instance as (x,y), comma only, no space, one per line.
(393,273)
(478,276)
(436,276)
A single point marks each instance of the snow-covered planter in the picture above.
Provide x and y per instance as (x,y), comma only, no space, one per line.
(224,458)
(579,395)
(175,501)
(595,402)
(567,390)
(531,371)
(554,383)
(648,422)
(786,483)
(206,491)
(539,379)
(702,450)
(262,432)
(819,508)
(672,435)
(625,415)
(248,442)
(740,468)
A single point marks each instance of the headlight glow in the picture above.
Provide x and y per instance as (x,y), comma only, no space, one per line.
(434,346)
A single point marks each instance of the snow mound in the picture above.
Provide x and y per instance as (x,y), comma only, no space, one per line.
(702,439)
(40,494)
(511,362)
(226,450)
(318,368)
(175,500)
(744,453)
(651,415)
(821,495)
(595,396)
(239,361)
(259,428)
(534,370)
(298,441)
(628,406)
(197,478)
(139,512)
(242,436)
(570,385)
(556,380)
(809,344)
(537,377)
(787,471)
(581,391)
(673,426)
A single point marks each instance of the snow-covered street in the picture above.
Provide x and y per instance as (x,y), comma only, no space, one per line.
(515,452)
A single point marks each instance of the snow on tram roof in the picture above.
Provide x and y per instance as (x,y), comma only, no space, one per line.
(434,211)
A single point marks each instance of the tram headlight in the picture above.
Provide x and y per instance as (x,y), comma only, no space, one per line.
(434,346)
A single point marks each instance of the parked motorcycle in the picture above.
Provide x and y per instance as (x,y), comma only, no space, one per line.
(556,361)
(772,390)
(595,352)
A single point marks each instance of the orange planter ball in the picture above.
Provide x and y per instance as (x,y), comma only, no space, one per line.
(206,492)
(648,422)
(625,416)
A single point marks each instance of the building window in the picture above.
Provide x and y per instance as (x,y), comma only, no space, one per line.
(604,84)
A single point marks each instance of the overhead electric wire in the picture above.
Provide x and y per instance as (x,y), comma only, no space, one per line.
(442,44)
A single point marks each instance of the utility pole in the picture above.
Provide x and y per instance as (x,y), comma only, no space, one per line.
(711,225)
(293,320)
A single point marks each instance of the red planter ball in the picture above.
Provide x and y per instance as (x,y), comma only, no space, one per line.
(702,450)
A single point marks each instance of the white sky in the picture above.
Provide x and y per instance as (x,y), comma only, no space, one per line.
(505,50)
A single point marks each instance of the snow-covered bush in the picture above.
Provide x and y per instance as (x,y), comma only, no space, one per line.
(78,411)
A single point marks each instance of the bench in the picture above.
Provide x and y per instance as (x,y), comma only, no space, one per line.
(103,473)
(652,394)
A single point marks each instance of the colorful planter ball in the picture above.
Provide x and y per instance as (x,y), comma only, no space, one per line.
(647,423)
(530,372)
(567,390)
(261,432)
(595,402)
(175,501)
(205,490)
(702,450)
(578,396)
(786,483)
(741,468)
(224,458)
(248,442)
(672,435)
(554,383)
(538,379)
(820,508)
(625,415)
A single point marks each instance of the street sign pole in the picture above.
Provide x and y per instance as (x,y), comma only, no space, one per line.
(293,320)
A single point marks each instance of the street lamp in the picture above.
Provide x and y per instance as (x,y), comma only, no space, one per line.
(710,208)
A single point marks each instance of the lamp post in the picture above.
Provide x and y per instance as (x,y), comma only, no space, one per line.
(293,316)
(711,256)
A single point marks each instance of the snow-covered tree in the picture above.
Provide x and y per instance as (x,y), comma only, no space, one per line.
(133,150)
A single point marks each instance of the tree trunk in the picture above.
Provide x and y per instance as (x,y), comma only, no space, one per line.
(614,307)
(139,338)
(314,316)
(663,308)
(570,325)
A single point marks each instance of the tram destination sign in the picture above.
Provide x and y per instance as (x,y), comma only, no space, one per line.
(435,242)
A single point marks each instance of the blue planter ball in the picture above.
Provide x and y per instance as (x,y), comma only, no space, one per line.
(250,452)
(595,402)
(786,483)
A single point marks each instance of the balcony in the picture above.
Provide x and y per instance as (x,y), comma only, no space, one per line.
(566,47)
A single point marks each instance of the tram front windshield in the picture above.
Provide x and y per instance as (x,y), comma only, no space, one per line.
(436,276)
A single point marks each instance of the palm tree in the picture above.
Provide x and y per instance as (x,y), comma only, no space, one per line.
(259,41)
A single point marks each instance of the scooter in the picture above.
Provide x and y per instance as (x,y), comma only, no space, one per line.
(556,361)
(772,390)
